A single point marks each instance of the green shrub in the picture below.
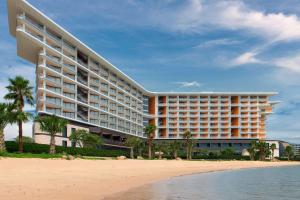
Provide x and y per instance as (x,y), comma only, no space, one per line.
(31,155)
(3,153)
(34,148)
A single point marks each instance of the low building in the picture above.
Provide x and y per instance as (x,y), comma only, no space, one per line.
(296,149)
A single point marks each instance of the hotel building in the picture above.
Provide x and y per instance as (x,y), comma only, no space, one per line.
(76,83)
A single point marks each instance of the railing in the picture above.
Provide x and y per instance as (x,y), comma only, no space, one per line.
(69,114)
(81,98)
(81,80)
(54,37)
(53,102)
(53,80)
(55,68)
(69,106)
(70,67)
(69,86)
(81,62)
(81,116)
(54,58)
(36,25)
(70,47)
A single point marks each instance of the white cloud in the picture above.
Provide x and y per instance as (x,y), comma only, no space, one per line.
(190,17)
(235,15)
(245,58)
(189,84)
(274,26)
(218,42)
(291,63)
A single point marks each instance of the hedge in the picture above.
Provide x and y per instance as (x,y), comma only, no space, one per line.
(12,146)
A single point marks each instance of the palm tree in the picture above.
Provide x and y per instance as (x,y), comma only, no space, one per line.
(263,149)
(252,150)
(20,92)
(175,146)
(160,148)
(6,117)
(149,131)
(76,137)
(187,136)
(133,143)
(273,147)
(84,138)
(289,152)
(53,125)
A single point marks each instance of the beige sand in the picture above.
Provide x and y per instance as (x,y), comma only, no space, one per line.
(94,179)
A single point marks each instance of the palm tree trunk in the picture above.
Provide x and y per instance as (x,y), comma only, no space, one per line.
(175,154)
(150,149)
(20,124)
(131,153)
(187,150)
(52,144)
(190,153)
(2,141)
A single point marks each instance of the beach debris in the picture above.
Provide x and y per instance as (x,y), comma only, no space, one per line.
(178,158)
(159,154)
(140,158)
(121,158)
(66,156)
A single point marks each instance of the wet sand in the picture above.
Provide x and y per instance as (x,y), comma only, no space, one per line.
(96,179)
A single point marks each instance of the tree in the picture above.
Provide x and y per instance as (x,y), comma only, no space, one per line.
(53,125)
(159,147)
(6,117)
(252,150)
(228,153)
(263,150)
(84,138)
(91,140)
(289,152)
(273,147)
(134,143)
(149,131)
(20,92)
(187,136)
(76,137)
(174,147)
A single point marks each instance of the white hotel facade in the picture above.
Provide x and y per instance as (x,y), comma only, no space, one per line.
(76,83)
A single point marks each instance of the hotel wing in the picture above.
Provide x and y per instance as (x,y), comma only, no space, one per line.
(76,83)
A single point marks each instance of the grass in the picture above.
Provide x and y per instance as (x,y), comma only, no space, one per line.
(30,155)
(93,158)
(48,156)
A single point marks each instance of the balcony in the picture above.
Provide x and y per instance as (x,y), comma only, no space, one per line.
(69,47)
(53,58)
(56,38)
(53,67)
(53,79)
(69,86)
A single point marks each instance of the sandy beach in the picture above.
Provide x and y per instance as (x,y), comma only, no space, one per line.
(95,179)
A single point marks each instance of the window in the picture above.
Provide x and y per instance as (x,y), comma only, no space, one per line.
(64,143)
(65,132)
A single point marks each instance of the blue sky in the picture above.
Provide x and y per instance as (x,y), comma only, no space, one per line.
(185,46)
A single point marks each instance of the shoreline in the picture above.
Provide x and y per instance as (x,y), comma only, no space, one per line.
(147,185)
(100,179)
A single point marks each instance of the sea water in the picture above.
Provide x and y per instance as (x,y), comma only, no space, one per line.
(277,183)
